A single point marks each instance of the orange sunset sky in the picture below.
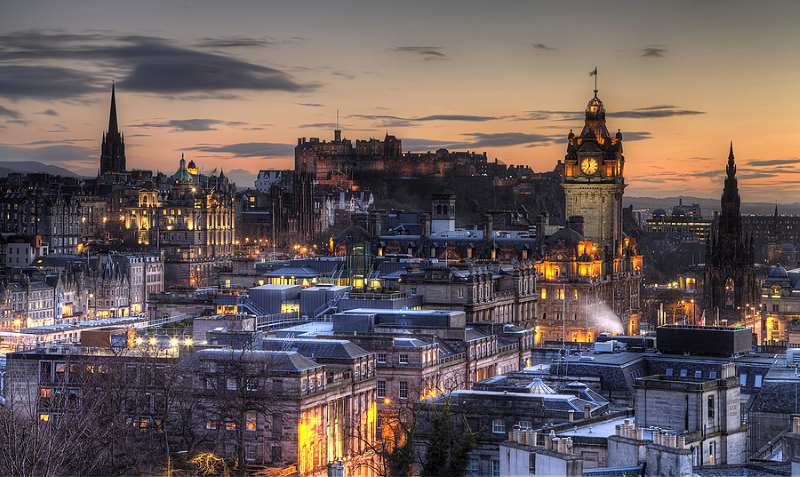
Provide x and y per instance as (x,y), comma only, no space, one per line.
(234,84)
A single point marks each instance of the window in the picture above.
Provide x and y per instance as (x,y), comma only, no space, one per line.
(231,384)
(669,372)
(474,467)
(495,468)
(710,408)
(277,427)
(712,375)
(757,383)
(698,374)
(252,384)
(712,453)
(381,358)
(524,424)
(498,426)
(684,373)
(403,389)
(743,379)
(250,452)
(381,388)
(211,424)
(230,425)
(403,358)
(251,423)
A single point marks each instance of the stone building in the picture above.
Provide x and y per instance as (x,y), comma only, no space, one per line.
(301,412)
(491,293)
(730,285)
(582,292)
(190,218)
(112,151)
(589,273)
(705,412)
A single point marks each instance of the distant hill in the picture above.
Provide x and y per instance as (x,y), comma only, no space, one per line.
(708,206)
(33,167)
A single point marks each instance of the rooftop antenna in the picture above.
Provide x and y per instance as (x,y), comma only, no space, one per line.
(594,73)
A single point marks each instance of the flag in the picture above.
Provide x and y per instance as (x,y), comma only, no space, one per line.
(593,72)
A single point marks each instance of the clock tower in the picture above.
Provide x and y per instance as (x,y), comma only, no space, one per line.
(593,178)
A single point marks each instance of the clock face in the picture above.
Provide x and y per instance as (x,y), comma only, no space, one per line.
(589,166)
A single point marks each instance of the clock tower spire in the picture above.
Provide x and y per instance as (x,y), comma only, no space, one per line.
(593,177)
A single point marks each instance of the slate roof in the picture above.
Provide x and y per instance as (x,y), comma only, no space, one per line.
(286,361)
(316,347)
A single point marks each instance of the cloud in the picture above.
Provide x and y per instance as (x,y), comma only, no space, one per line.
(144,63)
(48,112)
(648,112)
(45,82)
(427,53)
(542,46)
(50,153)
(636,135)
(198,124)
(773,162)
(241,177)
(311,105)
(654,112)
(400,121)
(233,42)
(9,113)
(654,51)
(246,149)
(319,125)
(476,140)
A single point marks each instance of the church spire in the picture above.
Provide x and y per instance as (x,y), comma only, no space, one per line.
(113,127)
(731,167)
(112,151)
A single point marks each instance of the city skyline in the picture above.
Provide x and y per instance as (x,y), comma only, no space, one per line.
(234,87)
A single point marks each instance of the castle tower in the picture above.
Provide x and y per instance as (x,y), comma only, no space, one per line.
(112,151)
(593,178)
(443,213)
(730,288)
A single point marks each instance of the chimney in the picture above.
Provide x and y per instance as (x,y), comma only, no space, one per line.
(424,225)
(587,411)
(575,223)
(488,227)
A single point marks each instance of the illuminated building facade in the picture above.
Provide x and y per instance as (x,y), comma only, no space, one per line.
(780,303)
(191,219)
(593,178)
(304,414)
(589,273)
(491,293)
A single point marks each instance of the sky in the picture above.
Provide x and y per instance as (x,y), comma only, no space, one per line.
(233,84)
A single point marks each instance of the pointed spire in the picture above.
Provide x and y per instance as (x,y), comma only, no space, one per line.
(731,168)
(776,208)
(113,127)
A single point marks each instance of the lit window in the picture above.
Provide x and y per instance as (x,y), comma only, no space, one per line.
(743,379)
(498,426)
(230,425)
(669,372)
(758,379)
(684,373)
(251,423)
(211,424)
(712,375)
(698,374)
